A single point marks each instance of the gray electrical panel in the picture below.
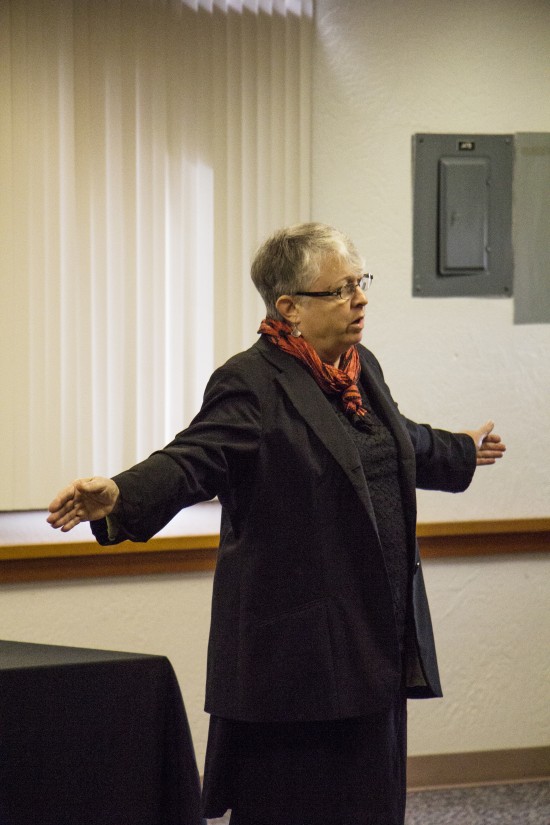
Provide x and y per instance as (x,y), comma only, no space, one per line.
(462,214)
(531,228)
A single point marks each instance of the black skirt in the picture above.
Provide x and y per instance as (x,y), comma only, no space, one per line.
(342,772)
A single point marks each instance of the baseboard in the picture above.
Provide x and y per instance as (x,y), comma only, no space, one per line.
(478,767)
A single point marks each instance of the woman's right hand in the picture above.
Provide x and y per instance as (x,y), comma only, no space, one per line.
(86,499)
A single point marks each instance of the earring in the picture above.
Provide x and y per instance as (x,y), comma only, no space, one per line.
(295,332)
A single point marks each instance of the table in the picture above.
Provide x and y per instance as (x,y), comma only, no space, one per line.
(93,737)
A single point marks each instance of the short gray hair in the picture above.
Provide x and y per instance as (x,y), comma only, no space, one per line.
(290,260)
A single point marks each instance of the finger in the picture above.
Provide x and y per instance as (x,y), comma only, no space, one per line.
(492,445)
(63,497)
(488,456)
(492,437)
(86,485)
(62,518)
(487,428)
(494,441)
(494,449)
(57,517)
(67,509)
(70,524)
(63,523)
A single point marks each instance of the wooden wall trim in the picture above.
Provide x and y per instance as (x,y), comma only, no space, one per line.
(478,768)
(38,561)
(482,538)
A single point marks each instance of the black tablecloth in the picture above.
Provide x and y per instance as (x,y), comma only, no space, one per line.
(92,737)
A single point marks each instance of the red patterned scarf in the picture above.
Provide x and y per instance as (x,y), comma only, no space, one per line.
(340,381)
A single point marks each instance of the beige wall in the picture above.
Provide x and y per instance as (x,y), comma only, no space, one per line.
(384,70)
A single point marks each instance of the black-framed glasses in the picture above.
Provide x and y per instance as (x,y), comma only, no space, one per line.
(346,291)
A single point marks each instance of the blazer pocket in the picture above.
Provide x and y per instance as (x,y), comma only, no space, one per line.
(286,667)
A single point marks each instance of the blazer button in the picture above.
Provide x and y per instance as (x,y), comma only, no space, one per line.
(416,566)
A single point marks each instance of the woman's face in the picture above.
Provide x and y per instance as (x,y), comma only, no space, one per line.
(329,324)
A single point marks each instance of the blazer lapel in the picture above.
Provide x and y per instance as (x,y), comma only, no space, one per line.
(313,406)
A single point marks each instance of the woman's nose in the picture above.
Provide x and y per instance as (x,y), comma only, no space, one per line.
(359,298)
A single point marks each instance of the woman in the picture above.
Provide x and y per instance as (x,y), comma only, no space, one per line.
(320,623)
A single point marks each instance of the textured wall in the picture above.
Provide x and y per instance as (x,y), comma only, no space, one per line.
(385,69)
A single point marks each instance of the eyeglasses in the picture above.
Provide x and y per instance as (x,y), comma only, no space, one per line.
(344,292)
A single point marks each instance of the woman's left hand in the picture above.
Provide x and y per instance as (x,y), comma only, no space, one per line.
(489,445)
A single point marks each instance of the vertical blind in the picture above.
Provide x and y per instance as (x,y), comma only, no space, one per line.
(146,148)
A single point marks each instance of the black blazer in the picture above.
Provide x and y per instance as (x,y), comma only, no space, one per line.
(302,617)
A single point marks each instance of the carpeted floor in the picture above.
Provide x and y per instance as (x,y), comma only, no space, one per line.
(525,803)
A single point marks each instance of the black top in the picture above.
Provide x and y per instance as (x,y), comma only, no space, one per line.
(378,455)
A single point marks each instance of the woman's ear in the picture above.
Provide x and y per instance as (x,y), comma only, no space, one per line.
(287,307)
